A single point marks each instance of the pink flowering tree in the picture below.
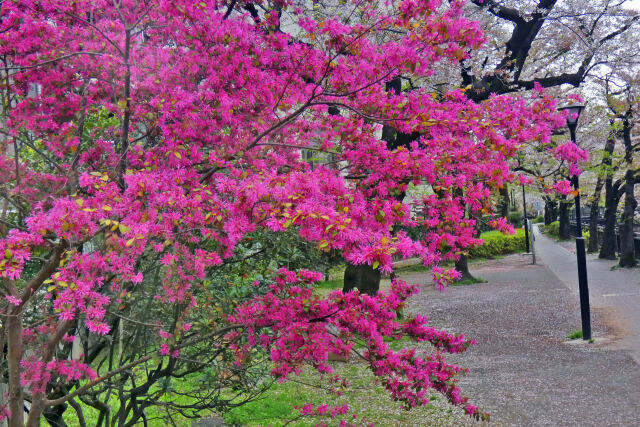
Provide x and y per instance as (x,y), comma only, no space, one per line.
(143,141)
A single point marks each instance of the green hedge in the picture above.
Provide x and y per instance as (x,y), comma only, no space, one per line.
(553,229)
(496,244)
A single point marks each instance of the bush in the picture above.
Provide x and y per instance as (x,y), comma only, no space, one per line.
(538,220)
(515,218)
(496,244)
(553,229)
(586,235)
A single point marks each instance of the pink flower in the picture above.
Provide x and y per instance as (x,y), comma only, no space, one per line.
(13,300)
(164,349)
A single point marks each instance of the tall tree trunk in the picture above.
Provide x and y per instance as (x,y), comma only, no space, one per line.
(564,228)
(16,397)
(594,206)
(462,266)
(462,263)
(504,201)
(611,199)
(595,201)
(361,277)
(364,277)
(627,247)
(550,211)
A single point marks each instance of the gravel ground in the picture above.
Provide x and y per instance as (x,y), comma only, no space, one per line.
(524,370)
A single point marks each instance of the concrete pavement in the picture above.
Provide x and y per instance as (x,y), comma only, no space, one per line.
(615,294)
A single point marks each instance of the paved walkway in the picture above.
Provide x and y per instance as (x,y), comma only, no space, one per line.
(614,294)
(524,370)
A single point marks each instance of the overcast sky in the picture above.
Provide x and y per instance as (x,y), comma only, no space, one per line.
(635,4)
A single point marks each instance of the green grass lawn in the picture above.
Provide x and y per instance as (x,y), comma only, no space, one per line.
(368,401)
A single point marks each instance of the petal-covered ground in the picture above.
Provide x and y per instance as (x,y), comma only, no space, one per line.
(524,369)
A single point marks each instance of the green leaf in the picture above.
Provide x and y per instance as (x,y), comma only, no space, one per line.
(376,264)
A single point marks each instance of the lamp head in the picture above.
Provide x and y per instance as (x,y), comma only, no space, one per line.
(573,114)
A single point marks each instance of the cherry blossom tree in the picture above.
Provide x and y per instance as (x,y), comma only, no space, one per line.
(145,136)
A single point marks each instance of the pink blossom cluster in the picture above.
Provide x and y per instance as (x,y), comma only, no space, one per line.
(4,409)
(37,374)
(326,411)
(15,250)
(562,187)
(299,327)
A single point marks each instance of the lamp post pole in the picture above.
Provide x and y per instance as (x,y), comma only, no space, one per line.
(526,225)
(583,285)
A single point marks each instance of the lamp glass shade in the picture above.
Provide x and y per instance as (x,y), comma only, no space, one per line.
(574,113)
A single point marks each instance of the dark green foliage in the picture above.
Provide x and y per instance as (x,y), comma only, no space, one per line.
(575,334)
(483,223)
(538,220)
(553,229)
(515,218)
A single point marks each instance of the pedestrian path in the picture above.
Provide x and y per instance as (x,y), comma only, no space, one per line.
(614,293)
(523,369)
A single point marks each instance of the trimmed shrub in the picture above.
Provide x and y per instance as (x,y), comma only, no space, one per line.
(538,220)
(496,244)
(553,229)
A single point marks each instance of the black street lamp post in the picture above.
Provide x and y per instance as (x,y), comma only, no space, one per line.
(526,224)
(572,123)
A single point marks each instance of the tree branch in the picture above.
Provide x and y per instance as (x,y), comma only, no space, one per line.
(507,13)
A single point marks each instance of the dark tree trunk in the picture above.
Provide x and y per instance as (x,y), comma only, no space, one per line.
(627,247)
(550,211)
(564,228)
(53,416)
(611,199)
(504,201)
(595,201)
(462,266)
(593,216)
(362,277)
(14,356)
